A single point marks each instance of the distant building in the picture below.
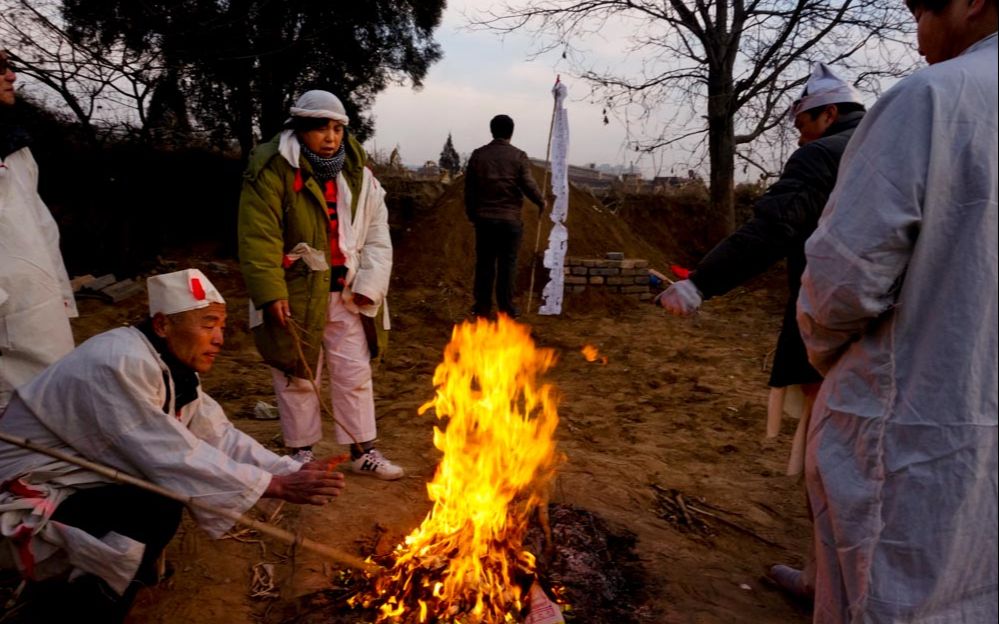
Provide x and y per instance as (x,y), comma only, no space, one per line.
(665,183)
(632,182)
(430,169)
(589,177)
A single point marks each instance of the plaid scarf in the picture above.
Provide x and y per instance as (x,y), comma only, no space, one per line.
(326,168)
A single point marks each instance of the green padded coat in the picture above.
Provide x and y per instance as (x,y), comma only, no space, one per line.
(273,218)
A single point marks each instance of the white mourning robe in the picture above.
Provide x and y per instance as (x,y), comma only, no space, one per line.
(105,402)
(898,309)
(36,300)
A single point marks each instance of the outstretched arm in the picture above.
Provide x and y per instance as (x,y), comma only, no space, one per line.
(782,219)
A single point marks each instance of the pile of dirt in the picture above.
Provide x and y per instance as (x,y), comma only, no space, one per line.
(438,242)
(679,220)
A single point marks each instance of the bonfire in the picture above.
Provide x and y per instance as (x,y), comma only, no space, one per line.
(466,562)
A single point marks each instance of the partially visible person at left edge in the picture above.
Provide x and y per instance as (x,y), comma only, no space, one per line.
(36,300)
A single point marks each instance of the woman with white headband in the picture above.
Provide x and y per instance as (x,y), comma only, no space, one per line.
(316,256)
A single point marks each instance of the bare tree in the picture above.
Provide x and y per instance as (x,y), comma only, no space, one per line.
(103,85)
(730,67)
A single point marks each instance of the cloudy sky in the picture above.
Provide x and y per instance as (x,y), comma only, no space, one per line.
(482,75)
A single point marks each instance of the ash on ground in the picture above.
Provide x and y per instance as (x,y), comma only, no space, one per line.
(592,570)
(601,576)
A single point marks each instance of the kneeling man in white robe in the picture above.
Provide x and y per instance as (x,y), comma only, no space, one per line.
(130,398)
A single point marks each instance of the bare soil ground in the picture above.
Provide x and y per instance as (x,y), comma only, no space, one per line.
(679,407)
(663,442)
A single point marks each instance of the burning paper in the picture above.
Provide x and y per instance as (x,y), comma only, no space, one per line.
(592,354)
(465,562)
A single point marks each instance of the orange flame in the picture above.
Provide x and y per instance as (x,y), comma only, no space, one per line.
(466,558)
(592,354)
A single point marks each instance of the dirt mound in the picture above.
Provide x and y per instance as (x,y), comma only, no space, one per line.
(435,246)
(678,220)
(673,221)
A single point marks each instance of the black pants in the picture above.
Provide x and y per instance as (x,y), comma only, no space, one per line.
(126,510)
(496,247)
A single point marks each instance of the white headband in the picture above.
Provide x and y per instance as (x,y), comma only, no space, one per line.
(181,291)
(319,104)
(823,88)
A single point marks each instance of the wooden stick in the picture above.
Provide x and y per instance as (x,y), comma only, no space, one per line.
(275,532)
(678,498)
(735,526)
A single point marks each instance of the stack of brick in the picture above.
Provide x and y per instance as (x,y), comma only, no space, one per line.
(613,274)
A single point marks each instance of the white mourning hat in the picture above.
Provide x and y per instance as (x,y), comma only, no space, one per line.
(322,104)
(181,291)
(824,88)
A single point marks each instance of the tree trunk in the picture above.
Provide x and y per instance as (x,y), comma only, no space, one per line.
(721,154)
(243,123)
(272,78)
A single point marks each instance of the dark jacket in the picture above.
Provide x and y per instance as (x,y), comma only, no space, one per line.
(784,218)
(12,136)
(497,178)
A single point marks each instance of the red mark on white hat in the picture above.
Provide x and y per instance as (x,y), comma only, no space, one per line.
(196,289)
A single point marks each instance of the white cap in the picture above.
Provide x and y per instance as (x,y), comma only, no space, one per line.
(322,104)
(824,88)
(181,291)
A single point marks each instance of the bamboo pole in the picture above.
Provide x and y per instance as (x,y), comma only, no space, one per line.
(277,533)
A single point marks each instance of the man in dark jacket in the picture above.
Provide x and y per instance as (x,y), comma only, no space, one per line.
(787,214)
(497,178)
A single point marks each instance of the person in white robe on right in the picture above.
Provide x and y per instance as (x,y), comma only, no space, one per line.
(898,310)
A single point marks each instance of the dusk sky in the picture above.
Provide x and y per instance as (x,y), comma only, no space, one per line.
(483,74)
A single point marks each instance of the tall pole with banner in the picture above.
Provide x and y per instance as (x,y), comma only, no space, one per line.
(558,238)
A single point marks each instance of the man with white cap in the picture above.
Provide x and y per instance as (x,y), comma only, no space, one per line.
(825,116)
(36,300)
(130,398)
(316,255)
(898,310)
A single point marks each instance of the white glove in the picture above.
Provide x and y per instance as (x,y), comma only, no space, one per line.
(680,299)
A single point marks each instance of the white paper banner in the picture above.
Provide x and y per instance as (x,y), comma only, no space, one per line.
(558,239)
